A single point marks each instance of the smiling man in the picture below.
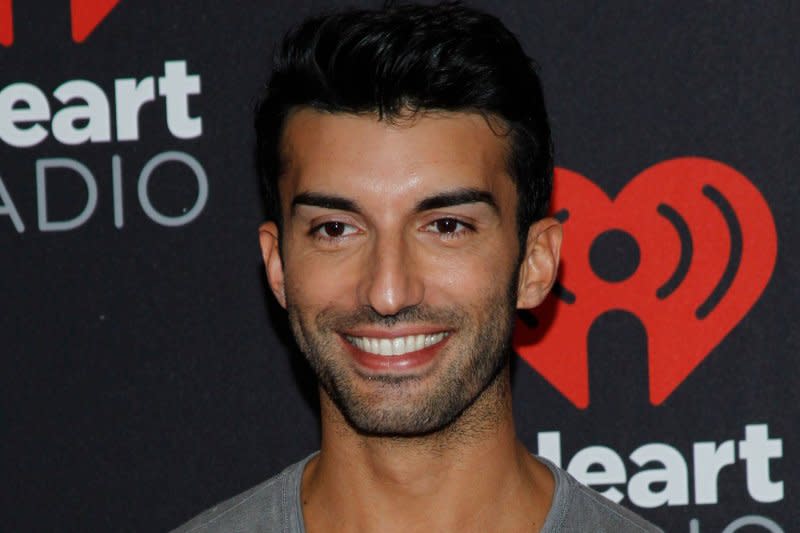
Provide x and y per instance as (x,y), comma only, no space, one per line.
(407,163)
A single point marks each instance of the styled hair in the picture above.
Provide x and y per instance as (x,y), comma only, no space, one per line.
(405,59)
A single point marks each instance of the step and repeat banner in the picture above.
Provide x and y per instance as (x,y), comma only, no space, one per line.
(147,372)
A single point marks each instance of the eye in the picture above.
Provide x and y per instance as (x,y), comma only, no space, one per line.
(333,230)
(448,226)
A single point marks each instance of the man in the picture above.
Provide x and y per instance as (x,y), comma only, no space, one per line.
(407,162)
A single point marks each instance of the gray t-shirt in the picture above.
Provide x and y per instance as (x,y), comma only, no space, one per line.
(274,507)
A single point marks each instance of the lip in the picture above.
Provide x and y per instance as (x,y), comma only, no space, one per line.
(411,362)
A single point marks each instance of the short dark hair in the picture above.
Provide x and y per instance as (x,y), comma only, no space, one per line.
(404,59)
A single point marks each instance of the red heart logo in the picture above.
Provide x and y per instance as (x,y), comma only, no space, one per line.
(706,245)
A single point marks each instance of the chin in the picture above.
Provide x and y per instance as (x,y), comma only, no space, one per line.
(423,415)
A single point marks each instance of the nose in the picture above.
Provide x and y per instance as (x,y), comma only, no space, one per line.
(391,281)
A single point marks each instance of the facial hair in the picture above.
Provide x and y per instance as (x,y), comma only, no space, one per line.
(476,354)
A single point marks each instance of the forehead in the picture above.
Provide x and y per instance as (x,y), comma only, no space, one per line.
(341,153)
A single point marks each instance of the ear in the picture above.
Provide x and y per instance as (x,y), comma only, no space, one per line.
(270,251)
(539,267)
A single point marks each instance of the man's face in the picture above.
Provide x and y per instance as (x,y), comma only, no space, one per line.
(399,257)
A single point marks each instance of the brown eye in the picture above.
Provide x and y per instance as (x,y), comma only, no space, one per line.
(334,229)
(446,225)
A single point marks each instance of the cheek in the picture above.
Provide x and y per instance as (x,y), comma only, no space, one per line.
(318,281)
(471,274)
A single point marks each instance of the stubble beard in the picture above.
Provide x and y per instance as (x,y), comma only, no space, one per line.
(476,356)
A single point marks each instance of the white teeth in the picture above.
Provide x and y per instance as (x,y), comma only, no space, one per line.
(397,345)
(386,347)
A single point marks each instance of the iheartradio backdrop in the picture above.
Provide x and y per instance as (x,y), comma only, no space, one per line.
(147,374)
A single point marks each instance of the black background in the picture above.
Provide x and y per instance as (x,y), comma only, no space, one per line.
(146,373)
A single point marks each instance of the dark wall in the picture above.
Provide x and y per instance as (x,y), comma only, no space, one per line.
(146,372)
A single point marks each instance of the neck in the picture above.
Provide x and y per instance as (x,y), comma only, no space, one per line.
(465,477)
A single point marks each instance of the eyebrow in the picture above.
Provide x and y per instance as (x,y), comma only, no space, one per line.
(451,198)
(326,201)
(457,197)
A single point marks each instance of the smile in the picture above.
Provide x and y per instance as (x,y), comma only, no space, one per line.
(396,346)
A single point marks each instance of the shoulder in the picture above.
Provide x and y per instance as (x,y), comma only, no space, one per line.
(268,507)
(578,508)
